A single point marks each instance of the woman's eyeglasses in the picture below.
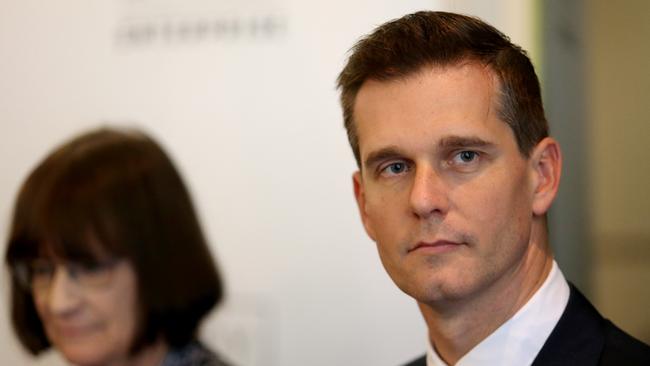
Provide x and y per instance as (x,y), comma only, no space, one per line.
(38,274)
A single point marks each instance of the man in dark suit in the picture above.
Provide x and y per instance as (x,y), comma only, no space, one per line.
(456,173)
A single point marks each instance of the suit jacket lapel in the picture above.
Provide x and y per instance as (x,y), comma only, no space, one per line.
(578,338)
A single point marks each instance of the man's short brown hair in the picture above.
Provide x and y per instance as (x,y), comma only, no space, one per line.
(401,47)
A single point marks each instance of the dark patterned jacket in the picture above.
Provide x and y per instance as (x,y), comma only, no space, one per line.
(193,354)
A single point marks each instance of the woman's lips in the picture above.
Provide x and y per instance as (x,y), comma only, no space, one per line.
(74,331)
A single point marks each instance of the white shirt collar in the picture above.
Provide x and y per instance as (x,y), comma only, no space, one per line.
(519,340)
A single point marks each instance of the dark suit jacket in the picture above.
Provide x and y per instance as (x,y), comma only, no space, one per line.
(583,337)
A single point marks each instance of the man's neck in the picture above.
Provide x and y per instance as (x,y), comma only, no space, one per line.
(455,328)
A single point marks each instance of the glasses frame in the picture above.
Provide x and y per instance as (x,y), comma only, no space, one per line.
(85,275)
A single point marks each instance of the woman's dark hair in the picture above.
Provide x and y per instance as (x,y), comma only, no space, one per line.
(119,189)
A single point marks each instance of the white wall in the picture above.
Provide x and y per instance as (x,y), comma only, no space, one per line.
(253,121)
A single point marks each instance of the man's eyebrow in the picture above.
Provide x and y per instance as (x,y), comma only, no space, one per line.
(449,142)
(463,141)
(385,153)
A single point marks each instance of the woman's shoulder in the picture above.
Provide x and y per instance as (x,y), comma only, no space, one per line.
(193,354)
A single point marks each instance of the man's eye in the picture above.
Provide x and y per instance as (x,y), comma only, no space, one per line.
(465,157)
(395,168)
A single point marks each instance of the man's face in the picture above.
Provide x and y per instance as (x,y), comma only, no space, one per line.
(443,188)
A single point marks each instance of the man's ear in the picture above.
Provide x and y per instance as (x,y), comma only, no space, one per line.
(360,195)
(546,160)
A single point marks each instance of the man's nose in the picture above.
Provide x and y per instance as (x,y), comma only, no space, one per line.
(429,196)
(64,293)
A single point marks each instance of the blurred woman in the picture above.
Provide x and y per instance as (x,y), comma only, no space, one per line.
(109,264)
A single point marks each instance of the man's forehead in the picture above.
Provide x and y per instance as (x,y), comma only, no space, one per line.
(453,101)
(438,83)
(374,93)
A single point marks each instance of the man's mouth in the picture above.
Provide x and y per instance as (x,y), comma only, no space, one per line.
(438,246)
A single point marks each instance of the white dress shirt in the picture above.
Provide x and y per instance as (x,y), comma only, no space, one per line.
(519,340)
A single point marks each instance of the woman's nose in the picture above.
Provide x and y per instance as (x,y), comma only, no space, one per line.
(64,294)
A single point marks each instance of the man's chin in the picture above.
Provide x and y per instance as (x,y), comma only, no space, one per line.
(435,290)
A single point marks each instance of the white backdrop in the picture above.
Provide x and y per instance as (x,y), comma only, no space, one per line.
(242,95)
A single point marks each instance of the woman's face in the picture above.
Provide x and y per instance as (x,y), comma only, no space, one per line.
(88,312)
